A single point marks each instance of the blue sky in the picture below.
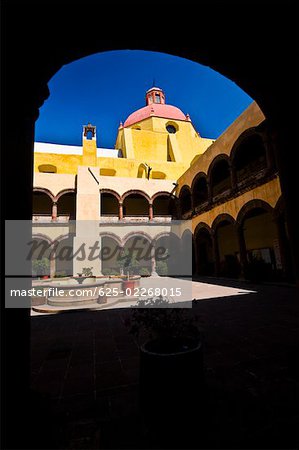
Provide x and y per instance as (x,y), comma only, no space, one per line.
(106,88)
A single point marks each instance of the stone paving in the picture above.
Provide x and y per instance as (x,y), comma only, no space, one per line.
(85,376)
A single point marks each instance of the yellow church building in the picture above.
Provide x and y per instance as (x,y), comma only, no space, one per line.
(161,169)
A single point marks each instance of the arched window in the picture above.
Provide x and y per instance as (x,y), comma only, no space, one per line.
(135,205)
(109,205)
(249,157)
(200,191)
(185,200)
(89,135)
(42,204)
(204,252)
(66,205)
(164,205)
(220,179)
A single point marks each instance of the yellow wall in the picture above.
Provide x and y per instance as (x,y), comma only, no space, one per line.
(269,192)
(251,117)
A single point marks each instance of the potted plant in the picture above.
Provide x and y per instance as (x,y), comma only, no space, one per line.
(88,276)
(87,271)
(171,359)
(41,267)
(128,265)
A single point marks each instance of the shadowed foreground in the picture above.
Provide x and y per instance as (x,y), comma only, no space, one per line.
(85,374)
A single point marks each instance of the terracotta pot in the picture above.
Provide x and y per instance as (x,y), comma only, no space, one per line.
(128,284)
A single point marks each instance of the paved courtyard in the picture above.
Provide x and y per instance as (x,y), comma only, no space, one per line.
(85,375)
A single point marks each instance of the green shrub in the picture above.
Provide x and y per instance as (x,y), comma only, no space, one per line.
(41,266)
(144,272)
(162,268)
(60,274)
(87,271)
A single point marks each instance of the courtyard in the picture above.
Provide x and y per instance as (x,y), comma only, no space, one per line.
(85,375)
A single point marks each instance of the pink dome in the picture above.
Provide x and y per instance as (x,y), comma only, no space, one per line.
(157,110)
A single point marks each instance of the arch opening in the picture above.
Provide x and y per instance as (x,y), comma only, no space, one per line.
(135,205)
(185,200)
(220,178)
(41,204)
(249,158)
(109,205)
(204,253)
(200,191)
(66,205)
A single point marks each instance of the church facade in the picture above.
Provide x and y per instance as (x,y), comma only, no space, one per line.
(226,192)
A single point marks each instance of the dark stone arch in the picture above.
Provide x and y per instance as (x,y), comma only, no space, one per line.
(63,192)
(200,190)
(135,192)
(250,206)
(110,191)
(226,246)
(42,203)
(269,83)
(185,199)
(200,226)
(219,175)
(113,236)
(66,203)
(109,202)
(111,247)
(135,203)
(204,250)
(248,155)
(44,191)
(164,204)
(226,218)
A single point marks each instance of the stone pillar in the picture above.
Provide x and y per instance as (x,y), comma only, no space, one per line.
(153,260)
(283,245)
(54,211)
(17,151)
(87,240)
(120,211)
(243,251)
(269,154)
(53,263)
(150,211)
(216,254)
(283,139)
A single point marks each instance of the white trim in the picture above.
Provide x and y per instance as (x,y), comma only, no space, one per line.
(59,149)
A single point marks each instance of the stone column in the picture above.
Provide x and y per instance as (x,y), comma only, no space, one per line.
(53,263)
(283,245)
(150,211)
(216,253)
(153,260)
(54,211)
(283,139)
(17,148)
(120,211)
(269,154)
(243,251)
(86,241)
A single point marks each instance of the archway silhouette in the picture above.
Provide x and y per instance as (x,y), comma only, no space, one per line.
(254,69)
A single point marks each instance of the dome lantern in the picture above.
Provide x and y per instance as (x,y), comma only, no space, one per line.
(155,95)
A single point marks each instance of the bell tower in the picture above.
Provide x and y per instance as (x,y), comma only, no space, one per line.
(89,138)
